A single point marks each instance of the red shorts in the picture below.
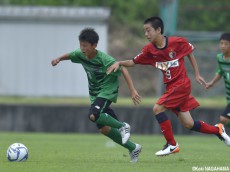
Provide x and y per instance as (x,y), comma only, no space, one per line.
(178,98)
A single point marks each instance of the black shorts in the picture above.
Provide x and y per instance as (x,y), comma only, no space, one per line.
(226,112)
(101,105)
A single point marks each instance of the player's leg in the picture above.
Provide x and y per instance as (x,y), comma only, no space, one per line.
(225,121)
(166,128)
(225,116)
(164,122)
(115,135)
(188,122)
(97,114)
(199,126)
(202,127)
(172,99)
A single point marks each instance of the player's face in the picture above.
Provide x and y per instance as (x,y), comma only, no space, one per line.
(150,33)
(88,49)
(224,46)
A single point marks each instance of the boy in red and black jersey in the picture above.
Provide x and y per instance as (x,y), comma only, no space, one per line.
(167,54)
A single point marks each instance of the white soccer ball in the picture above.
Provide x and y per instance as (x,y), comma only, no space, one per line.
(17,152)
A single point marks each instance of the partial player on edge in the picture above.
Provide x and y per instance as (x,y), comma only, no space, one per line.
(223,70)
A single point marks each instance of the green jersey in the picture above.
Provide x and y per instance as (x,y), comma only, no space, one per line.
(223,69)
(100,84)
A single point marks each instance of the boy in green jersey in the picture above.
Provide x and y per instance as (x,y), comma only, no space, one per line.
(103,89)
(223,69)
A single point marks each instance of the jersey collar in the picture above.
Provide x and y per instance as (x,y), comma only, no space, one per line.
(166,44)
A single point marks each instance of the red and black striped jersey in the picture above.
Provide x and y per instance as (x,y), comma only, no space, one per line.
(169,59)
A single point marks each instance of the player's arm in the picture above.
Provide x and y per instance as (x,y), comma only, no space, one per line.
(135,96)
(215,79)
(193,62)
(54,62)
(114,67)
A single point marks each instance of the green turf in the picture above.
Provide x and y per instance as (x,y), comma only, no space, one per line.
(122,101)
(96,153)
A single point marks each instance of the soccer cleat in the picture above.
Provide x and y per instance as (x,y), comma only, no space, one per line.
(168,149)
(222,134)
(135,153)
(125,133)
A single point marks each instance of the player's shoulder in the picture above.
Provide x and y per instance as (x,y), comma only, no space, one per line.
(104,57)
(177,39)
(102,54)
(75,53)
(147,47)
(219,56)
(78,50)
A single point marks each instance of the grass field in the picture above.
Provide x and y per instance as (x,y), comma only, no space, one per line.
(213,102)
(96,153)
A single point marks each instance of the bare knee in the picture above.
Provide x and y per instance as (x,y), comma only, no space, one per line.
(158,109)
(92,117)
(105,130)
(186,119)
(224,120)
(188,124)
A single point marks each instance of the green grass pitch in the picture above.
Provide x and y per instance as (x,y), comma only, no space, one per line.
(218,102)
(96,153)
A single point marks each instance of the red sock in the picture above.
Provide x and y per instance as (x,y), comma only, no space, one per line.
(209,129)
(166,129)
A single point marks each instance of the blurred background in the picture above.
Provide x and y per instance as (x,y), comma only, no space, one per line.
(33,32)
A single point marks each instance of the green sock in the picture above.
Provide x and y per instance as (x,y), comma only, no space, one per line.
(227,125)
(105,119)
(115,135)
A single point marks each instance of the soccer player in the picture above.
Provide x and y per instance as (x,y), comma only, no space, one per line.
(223,69)
(167,54)
(103,89)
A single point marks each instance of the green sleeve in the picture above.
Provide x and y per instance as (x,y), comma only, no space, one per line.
(218,69)
(117,73)
(74,56)
(108,61)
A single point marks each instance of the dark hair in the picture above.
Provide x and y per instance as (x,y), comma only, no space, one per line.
(89,35)
(156,23)
(225,36)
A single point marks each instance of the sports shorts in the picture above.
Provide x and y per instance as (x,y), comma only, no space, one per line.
(226,112)
(178,98)
(101,105)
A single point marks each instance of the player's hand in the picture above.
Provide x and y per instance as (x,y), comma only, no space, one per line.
(55,62)
(201,80)
(113,68)
(136,97)
(209,85)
